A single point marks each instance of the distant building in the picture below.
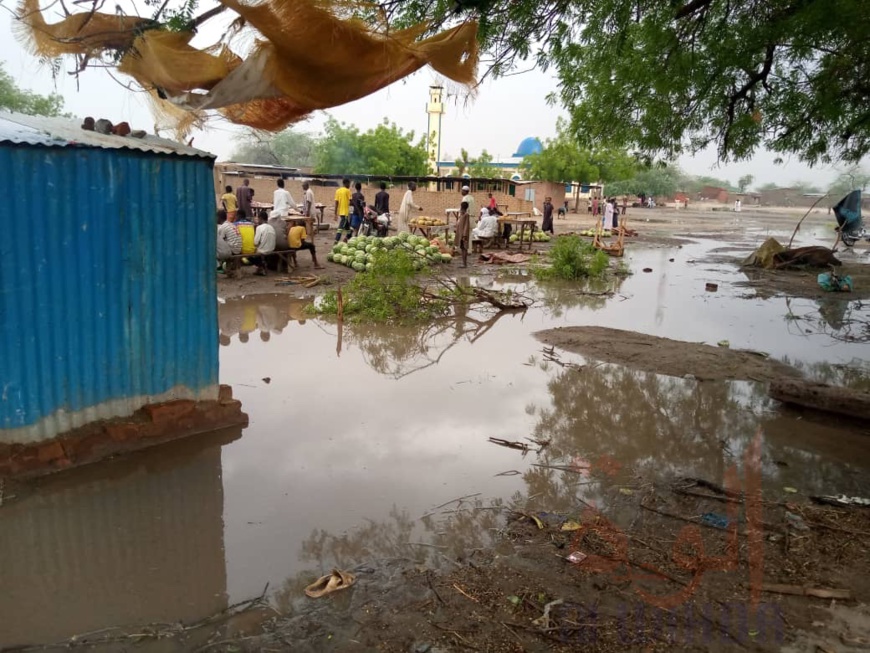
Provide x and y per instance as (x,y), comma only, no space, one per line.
(713,194)
(509,168)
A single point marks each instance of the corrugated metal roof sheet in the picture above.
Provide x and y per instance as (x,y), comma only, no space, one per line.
(21,129)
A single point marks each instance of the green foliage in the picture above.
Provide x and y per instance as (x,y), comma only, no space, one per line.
(13,98)
(658,181)
(463,162)
(562,159)
(286,148)
(805,186)
(481,166)
(672,77)
(384,150)
(744,182)
(768,186)
(387,293)
(572,258)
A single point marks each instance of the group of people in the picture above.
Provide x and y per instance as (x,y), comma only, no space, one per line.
(237,235)
(351,207)
(608,210)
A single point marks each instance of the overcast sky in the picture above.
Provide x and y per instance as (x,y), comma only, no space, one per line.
(504,112)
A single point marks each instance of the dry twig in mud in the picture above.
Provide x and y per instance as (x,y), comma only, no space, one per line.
(519,446)
(797,590)
(464,593)
(447,503)
(456,293)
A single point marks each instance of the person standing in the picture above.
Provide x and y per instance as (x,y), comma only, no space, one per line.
(547,223)
(244,197)
(595,208)
(264,241)
(342,210)
(357,208)
(624,204)
(468,197)
(282,201)
(463,232)
(407,206)
(608,215)
(382,200)
(228,202)
(615,213)
(307,200)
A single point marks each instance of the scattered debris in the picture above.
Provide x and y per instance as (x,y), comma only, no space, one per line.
(715,520)
(337,580)
(267,380)
(723,343)
(576,557)
(711,287)
(842,500)
(796,521)
(647,269)
(570,525)
(797,590)
(820,396)
(831,282)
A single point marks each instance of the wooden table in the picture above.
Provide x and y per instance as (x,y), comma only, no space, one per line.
(319,208)
(525,222)
(427,230)
(309,223)
(452,213)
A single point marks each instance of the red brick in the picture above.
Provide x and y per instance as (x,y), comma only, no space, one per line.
(225,393)
(50,451)
(122,431)
(170,410)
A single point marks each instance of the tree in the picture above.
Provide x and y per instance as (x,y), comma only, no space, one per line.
(805,187)
(13,98)
(744,182)
(673,77)
(767,186)
(463,162)
(657,181)
(562,159)
(287,148)
(384,150)
(852,178)
(482,166)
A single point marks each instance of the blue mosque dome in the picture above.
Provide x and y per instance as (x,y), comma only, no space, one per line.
(530,145)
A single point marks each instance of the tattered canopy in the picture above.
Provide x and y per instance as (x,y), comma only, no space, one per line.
(305,57)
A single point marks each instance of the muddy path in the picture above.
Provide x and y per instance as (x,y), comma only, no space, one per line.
(665,356)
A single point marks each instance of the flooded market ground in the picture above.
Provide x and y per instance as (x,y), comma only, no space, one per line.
(361,438)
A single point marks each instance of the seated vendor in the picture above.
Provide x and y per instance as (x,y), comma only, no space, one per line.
(486,228)
(296,239)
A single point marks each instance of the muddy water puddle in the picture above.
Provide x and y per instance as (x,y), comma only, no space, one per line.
(355,435)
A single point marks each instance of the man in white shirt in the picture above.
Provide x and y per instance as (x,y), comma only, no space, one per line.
(264,240)
(407,206)
(282,201)
(486,228)
(468,197)
(307,200)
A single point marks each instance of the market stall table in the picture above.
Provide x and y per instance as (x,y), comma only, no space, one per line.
(427,230)
(319,208)
(525,223)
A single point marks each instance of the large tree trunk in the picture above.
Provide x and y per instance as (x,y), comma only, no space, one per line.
(819,396)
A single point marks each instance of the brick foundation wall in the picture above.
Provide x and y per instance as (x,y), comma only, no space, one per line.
(152,424)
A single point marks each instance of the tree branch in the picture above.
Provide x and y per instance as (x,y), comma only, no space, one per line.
(743,92)
(692,8)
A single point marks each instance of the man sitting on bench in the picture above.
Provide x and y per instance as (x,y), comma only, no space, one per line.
(296,239)
(486,229)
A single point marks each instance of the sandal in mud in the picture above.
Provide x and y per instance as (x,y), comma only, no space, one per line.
(337,580)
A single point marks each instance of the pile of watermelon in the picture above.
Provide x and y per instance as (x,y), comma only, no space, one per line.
(537,237)
(359,252)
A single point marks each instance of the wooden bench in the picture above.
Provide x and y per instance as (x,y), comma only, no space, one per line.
(286,257)
(486,243)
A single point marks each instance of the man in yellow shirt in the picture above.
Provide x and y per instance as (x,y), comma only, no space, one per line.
(342,210)
(296,240)
(247,232)
(228,201)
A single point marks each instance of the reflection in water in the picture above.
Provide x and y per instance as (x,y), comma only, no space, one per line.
(267,314)
(125,542)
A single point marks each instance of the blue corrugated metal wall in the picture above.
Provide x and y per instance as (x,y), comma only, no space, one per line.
(107,284)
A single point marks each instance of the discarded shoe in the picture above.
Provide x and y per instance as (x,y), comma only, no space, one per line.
(337,580)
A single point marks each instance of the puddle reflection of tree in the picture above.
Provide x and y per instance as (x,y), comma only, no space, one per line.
(838,319)
(446,535)
(557,298)
(656,427)
(399,351)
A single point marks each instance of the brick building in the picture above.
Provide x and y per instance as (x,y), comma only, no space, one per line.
(512,194)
